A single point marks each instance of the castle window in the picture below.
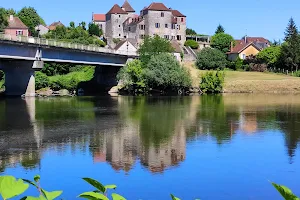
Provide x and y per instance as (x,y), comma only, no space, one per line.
(119,16)
(178,37)
(119,26)
(167,37)
(173,26)
(119,35)
(157,25)
(129,28)
(142,36)
(162,14)
(178,27)
(166,25)
(142,27)
(182,19)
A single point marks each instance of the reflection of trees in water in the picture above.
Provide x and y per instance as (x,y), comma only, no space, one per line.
(214,118)
(289,119)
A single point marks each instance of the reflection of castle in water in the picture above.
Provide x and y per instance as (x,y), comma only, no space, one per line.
(123,147)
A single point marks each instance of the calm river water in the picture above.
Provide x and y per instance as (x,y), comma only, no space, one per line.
(208,147)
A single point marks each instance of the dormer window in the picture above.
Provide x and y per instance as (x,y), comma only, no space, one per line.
(162,14)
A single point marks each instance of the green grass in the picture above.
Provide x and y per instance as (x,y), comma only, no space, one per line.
(252,82)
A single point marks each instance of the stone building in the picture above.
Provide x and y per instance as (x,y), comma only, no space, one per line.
(156,19)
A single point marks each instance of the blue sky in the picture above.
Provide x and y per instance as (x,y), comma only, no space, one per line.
(267,18)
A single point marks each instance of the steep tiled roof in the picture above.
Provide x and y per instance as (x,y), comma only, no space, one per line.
(257,39)
(127,7)
(240,45)
(176,13)
(116,9)
(99,17)
(54,25)
(15,22)
(158,7)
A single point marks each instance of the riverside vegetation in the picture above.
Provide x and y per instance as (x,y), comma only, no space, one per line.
(11,187)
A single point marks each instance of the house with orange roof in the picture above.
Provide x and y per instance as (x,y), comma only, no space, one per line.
(246,47)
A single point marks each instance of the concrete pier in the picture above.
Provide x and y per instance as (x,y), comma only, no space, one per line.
(19,77)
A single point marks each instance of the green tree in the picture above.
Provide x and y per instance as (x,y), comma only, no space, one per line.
(191,43)
(3,19)
(30,17)
(94,29)
(291,30)
(83,25)
(153,46)
(270,55)
(11,11)
(220,29)
(72,25)
(211,59)
(290,50)
(212,82)
(190,31)
(164,72)
(222,42)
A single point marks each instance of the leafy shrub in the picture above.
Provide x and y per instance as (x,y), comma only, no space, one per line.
(191,43)
(164,72)
(236,65)
(2,84)
(269,55)
(258,67)
(209,58)
(222,42)
(296,73)
(212,82)
(41,80)
(131,76)
(70,81)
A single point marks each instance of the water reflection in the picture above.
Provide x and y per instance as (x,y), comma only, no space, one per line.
(123,131)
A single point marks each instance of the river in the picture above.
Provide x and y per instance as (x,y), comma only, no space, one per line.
(209,147)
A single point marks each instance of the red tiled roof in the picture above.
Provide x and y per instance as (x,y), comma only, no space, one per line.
(54,25)
(99,17)
(257,39)
(158,7)
(16,23)
(127,7)
(116,9)
(240,45)
(176,13)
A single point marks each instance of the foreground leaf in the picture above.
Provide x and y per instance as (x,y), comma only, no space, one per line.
(96,184)
(93,196)
(117,197)
(110,187)
(174,198)
(285,192)
(51,195)
(34,198)
(10,187)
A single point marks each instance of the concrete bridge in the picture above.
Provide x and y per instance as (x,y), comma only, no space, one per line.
(21,57)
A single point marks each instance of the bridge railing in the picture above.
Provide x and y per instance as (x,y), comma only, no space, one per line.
(62,44)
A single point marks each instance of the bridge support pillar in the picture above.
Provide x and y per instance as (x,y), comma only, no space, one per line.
(19,77)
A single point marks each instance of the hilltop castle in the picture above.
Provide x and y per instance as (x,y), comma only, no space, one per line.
(156,19)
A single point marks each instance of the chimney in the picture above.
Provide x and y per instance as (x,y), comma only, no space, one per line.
(245,38)
(231,46)
(11,17)
(123,9)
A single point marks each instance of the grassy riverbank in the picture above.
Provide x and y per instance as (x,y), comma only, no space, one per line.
(252,82)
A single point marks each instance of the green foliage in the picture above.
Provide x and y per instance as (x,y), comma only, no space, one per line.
(70,81)
(285,192)
(163,71)
(191,43)
(220,29)
(74,35)
(30,17)
(190,32)
(209,58)
(236,65)
(132,77)
(41,80)
(52,69)
(212,82)
(222,42)
(153,46)
(1,75)
(174,198)
(270,55)
(94,29)
(3,19)
(100,192)
(2,84)
(291,30)
(10,187)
